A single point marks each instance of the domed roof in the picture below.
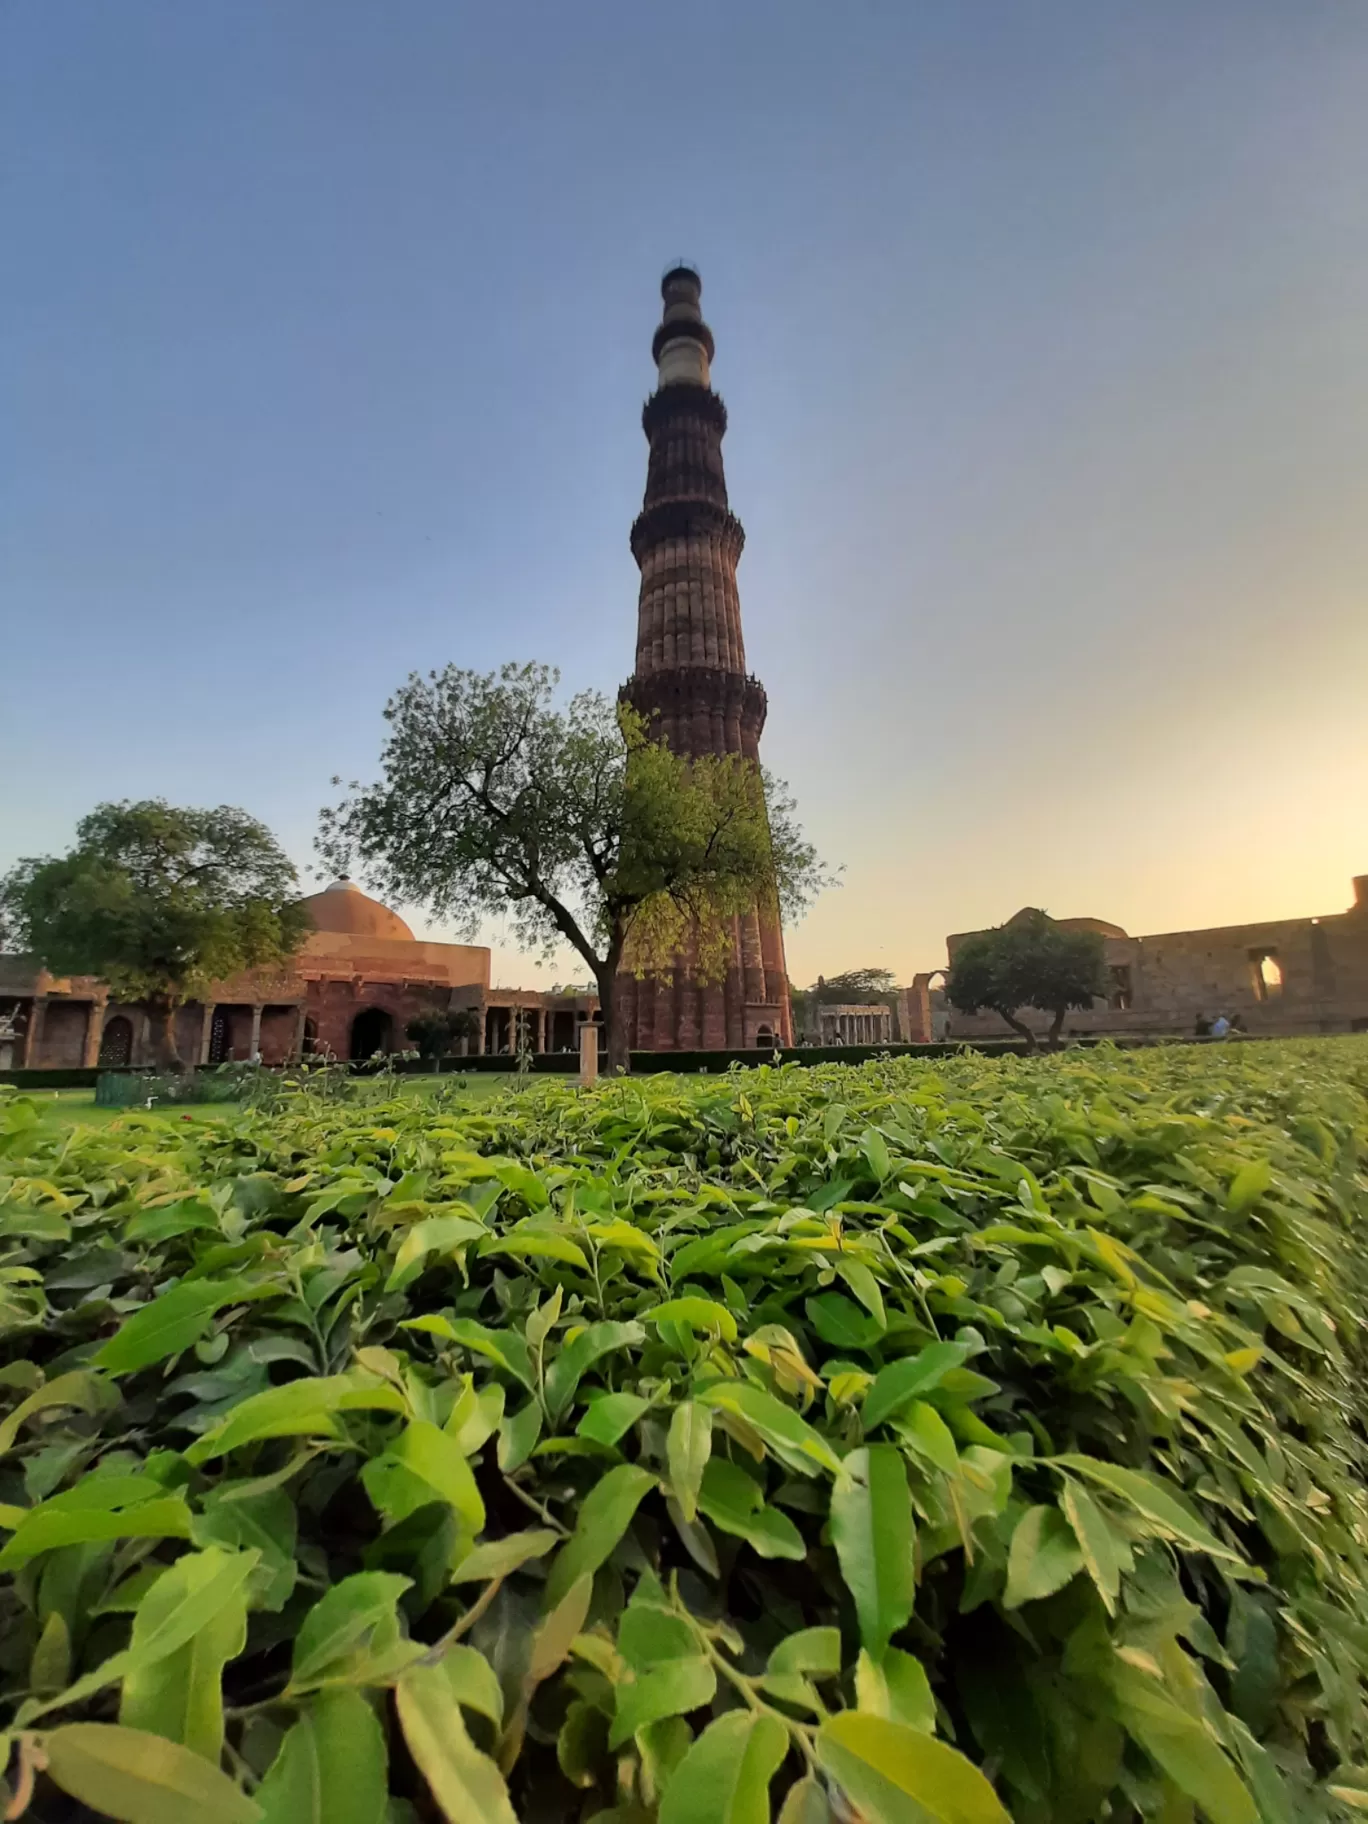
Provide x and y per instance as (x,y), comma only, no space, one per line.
(345,909)
(1100,925)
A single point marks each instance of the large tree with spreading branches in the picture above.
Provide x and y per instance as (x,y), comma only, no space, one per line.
(1029,962)
(159,902)
(571,824)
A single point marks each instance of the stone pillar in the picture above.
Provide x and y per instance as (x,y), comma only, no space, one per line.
(33,1041)
(301,1021)
(588,1052)
(206,1032)
(94,1032)
(254,1044)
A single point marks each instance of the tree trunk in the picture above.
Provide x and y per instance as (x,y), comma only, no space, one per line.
(161,1014)
(1052,1040)
(1019,1026)
(619,1058)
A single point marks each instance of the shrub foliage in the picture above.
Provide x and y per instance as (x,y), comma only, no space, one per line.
(901,1443)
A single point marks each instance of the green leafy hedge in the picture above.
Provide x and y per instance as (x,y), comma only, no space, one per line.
(911,1442)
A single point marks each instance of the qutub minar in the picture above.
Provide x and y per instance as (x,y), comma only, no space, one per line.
(691,681)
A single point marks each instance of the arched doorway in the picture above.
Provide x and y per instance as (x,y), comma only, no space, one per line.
(116,1043)
(310,1037)
(371,1032)
(764,1038)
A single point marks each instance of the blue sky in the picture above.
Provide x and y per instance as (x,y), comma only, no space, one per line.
(1042,326)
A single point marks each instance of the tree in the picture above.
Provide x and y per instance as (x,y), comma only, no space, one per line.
(570,823)
(436,1031)
(855,986)
(159,902)
(1029,962)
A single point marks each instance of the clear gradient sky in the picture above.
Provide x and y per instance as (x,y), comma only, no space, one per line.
(1043,326)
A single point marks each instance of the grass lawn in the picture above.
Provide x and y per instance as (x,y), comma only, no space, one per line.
(64,1108)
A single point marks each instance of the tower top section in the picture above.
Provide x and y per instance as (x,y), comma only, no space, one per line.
(682,347)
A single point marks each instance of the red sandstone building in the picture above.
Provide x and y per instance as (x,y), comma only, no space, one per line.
(349,992)
(691,681)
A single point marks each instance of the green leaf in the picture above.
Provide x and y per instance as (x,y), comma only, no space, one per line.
(473,1680)
(476,1414)
(438,1460)
(464,1782)
(1180,1742)
(697,1313)
(907,1379)
(1248,1185)
(173,1321)
(1095,1541)
(814,1650)
(806,1803)
(544,1320)
(875,1150)
(437,1235)
(332,1767)
(498,1557)
(603,1518)
(792,1439)
(895,1687)
(55,1523)
(143,1779)
(865,1287)
(1042,1558)
(78,1388)
(575,1360)
(611,1418)
(518,1434)
(265,1522)
(725,1776)
(672,1688)
(688,1447)
(505,1348)
(1148,1496)
(342,1620)
(871,1526)
(553,1638)
(179,1694)
(303,1408)
(734,1501)
(926,1433)
(536,1244)
(893,1774)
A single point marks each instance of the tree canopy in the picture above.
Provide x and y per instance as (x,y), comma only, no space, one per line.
(1030,962)
(570,824)
(159,902)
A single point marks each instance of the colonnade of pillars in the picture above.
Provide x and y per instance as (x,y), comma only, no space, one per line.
(547,1029)
(856,1028)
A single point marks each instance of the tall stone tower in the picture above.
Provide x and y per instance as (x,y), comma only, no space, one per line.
(691,682)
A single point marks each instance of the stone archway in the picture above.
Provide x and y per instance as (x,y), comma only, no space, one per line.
(372,1030)
(116,1043)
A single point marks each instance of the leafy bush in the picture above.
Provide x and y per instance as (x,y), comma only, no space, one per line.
(905,1442)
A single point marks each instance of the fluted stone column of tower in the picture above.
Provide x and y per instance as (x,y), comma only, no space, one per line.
(691,681)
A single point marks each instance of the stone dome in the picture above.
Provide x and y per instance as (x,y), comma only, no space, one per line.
(343,908)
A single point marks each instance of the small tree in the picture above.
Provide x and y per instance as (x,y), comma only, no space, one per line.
(572,824)
(437,1031)
(1029,962)
(159,902)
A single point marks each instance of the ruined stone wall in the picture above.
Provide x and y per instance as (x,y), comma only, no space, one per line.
(1174,978)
